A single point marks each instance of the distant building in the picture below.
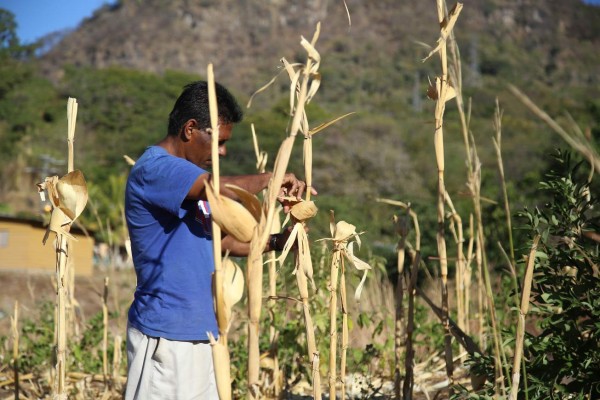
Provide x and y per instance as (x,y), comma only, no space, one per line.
(21,247)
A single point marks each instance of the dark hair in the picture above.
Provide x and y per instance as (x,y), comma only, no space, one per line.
(193,104)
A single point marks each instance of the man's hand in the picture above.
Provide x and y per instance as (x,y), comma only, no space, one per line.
(291,188)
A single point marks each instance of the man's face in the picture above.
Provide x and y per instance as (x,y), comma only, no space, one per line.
(199,149)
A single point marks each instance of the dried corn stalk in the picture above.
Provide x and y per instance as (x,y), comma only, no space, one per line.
(343,236)
(68,196)
(228,213)
(305,82)
(273,382)
(442,93)
(404,335)
(525,295)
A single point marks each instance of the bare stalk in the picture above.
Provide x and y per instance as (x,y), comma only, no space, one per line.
(333,289)
(343,298)
(522,314)
(219,347)
(14,325)
(461,276)
(407,390)
(498,147)
(105,331)
(117,359)
(443,94)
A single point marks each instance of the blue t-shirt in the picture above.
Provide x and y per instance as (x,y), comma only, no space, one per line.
(172,249)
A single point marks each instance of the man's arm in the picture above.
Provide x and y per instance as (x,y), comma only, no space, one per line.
(239,249)
(251,183)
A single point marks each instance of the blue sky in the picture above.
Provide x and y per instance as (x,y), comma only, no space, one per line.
(36,18)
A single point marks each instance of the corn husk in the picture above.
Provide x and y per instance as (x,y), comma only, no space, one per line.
(304,210)
(248,200)
(231,216)
(233,282)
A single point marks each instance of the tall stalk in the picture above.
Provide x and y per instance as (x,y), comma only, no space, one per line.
(14,327)
(219,346)
(302,89)
(443,93)
(261,164)
(498,147)
(461,270)
(403,336)
(343,236)
(402,229)
(105,332)
(409,379)
(525,295)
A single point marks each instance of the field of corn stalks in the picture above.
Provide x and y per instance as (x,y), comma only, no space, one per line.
(321,319)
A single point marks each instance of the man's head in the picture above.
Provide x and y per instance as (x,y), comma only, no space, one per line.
(189,122)
(193,104)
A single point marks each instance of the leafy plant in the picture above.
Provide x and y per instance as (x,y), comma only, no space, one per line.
(564,357)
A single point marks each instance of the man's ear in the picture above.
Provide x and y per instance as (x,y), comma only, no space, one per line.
(188,129)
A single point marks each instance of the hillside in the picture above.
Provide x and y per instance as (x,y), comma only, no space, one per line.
(246,39)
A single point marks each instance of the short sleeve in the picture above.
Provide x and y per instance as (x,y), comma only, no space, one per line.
(167,180)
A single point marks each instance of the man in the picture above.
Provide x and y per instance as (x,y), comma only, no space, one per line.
(168,353)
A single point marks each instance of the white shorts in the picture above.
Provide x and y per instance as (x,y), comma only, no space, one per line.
(158,368)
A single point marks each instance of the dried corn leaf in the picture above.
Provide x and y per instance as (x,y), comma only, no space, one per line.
(290,242)
(332,226)
(348,13)
(324,125)
(58,222)
(446,27)
(360,265)
(314,86)
(72,194)
(343,231)
(129,160)
(313,54)
(262,89)
(304,259)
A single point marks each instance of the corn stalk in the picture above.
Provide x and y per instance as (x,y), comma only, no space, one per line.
(219,347)
(14,327)
(276,383)
(525,295)
(461,275)
(474,183)
(68,196)
(443,92)
(407,389)
(304,83)
(402,228)
(105,331)
(343,237)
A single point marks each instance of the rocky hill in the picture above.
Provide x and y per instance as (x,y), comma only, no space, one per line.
(245,39)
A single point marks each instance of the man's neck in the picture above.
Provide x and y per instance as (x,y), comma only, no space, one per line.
(172,145)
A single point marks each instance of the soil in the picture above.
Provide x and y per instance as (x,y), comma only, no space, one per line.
(31,290)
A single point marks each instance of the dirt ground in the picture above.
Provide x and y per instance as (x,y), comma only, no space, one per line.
(31,290)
